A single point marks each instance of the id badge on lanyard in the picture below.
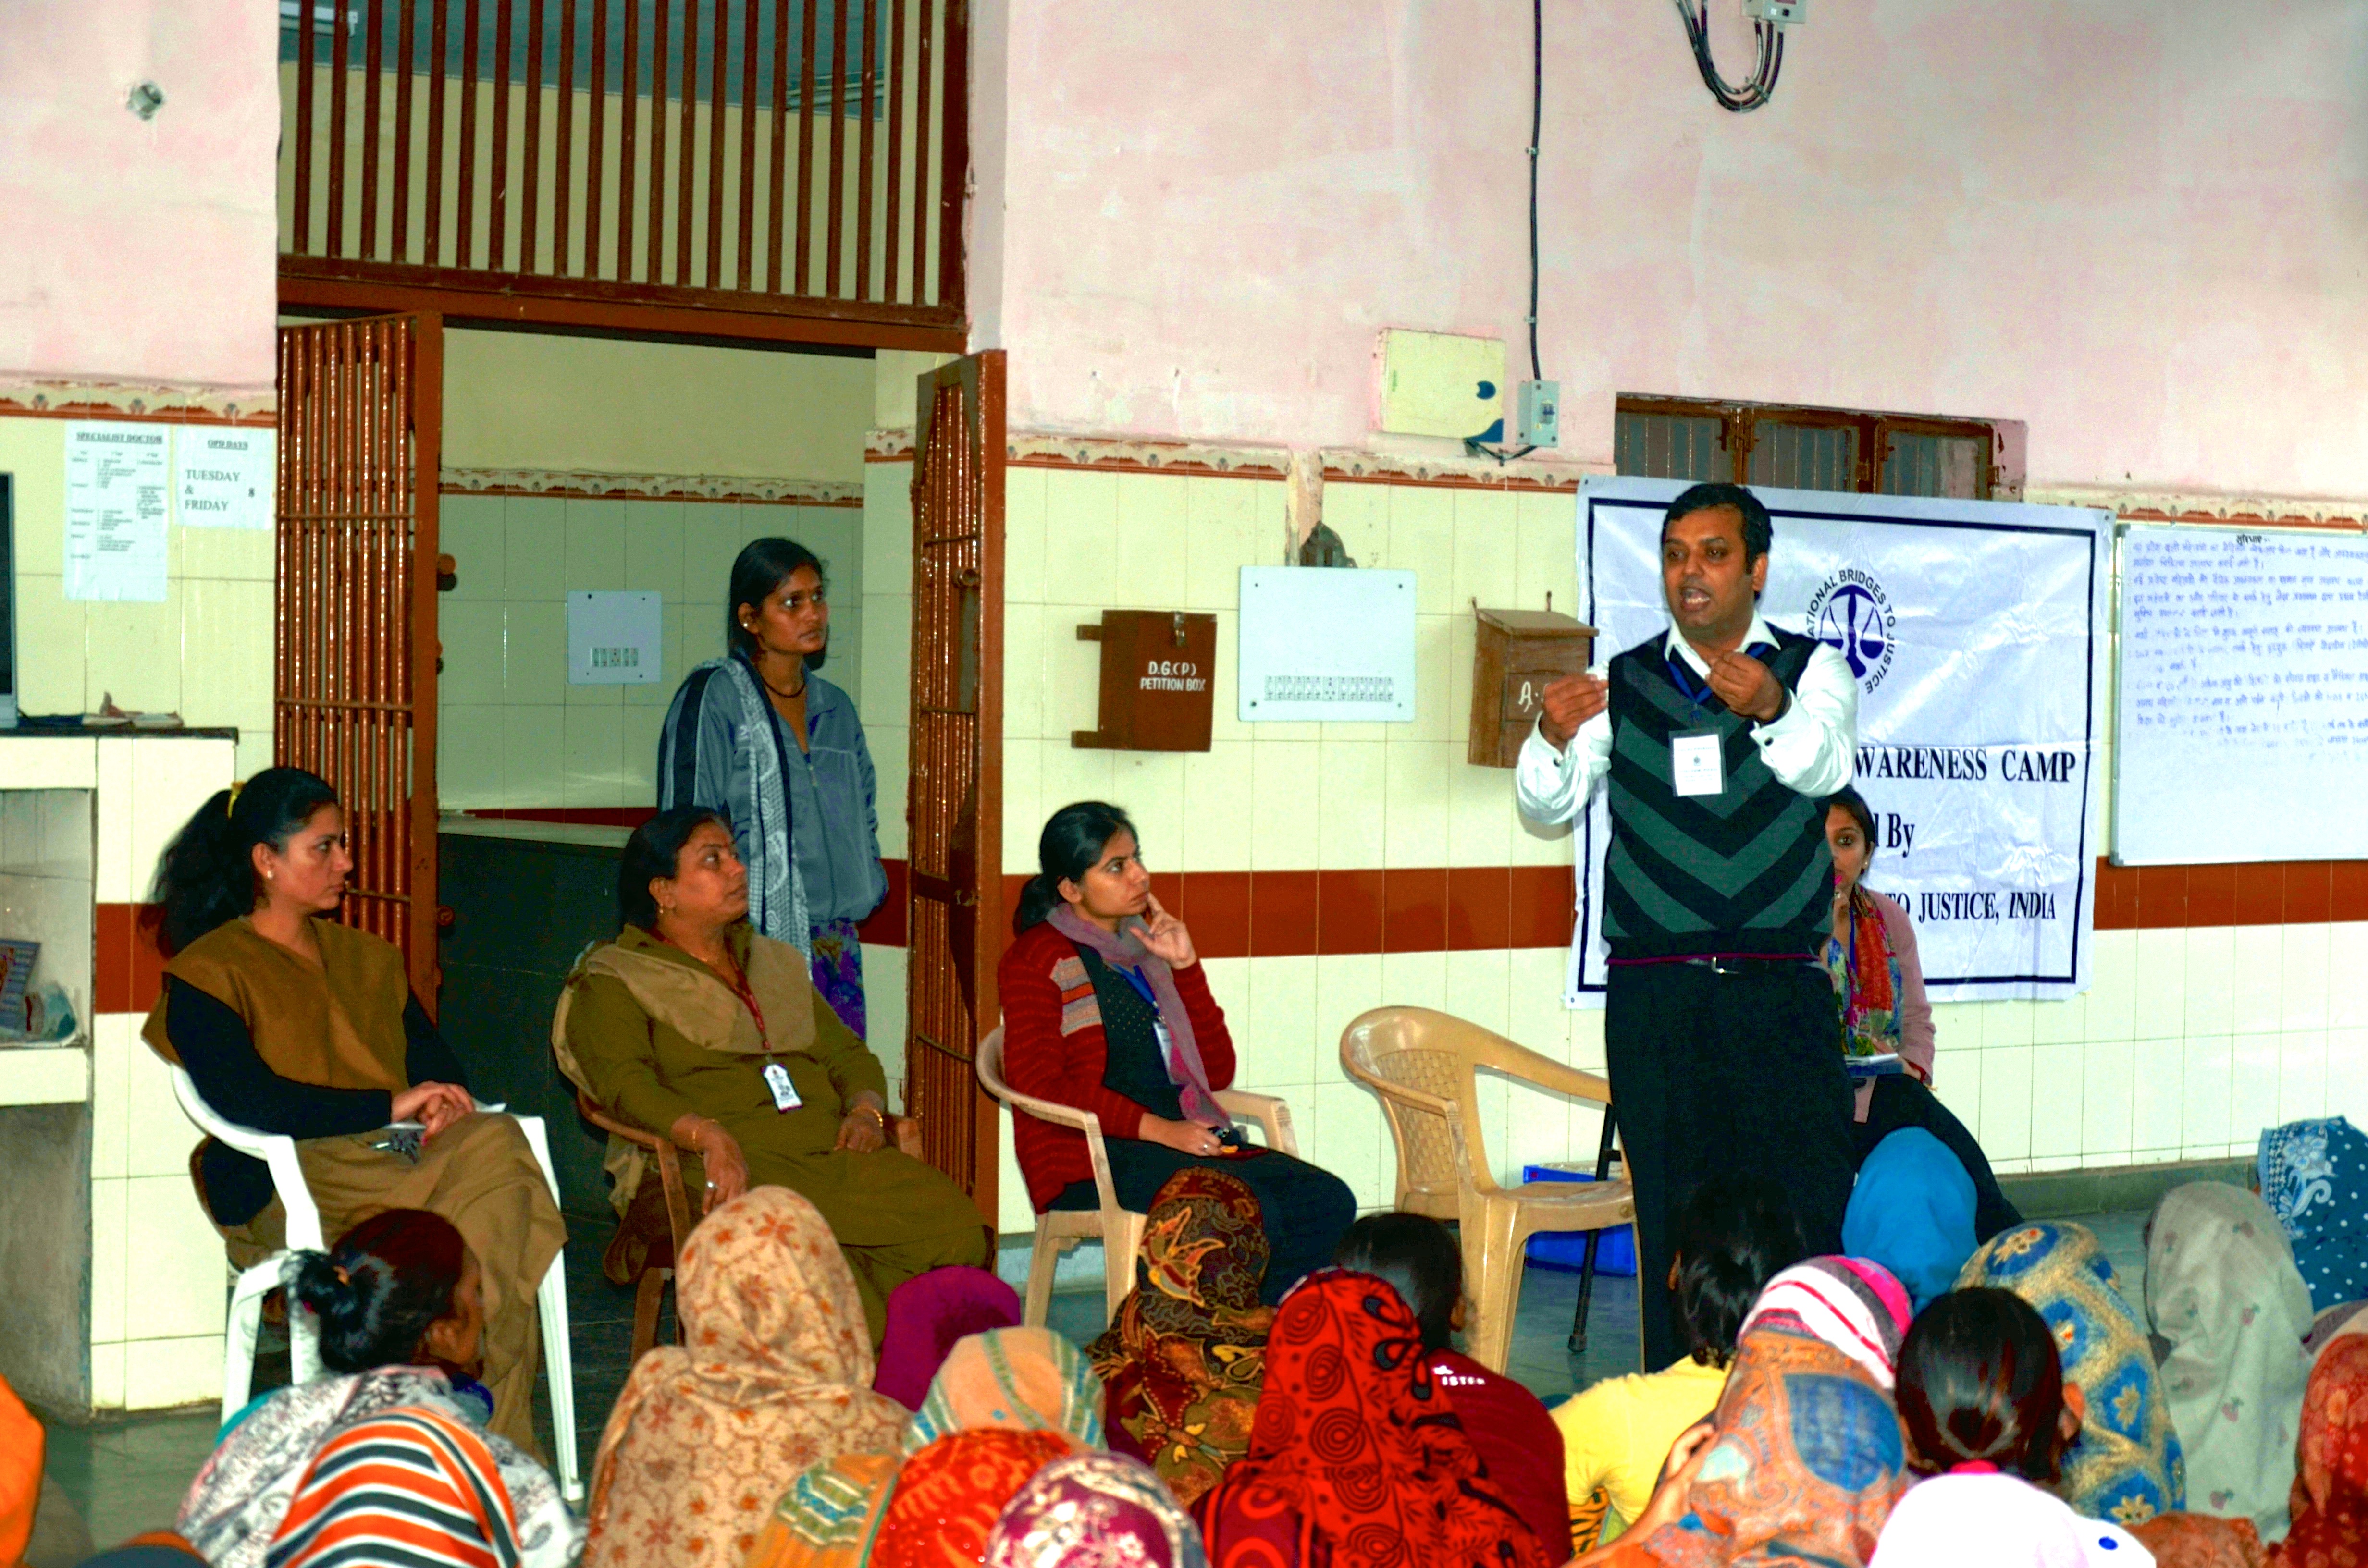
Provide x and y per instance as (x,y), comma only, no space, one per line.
(785,1093)
(1697,763)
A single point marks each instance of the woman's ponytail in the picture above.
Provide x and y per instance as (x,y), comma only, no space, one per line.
(376,1292)
(206,875)
(1072,841)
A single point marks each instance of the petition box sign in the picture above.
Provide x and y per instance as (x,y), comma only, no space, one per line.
(1977,632)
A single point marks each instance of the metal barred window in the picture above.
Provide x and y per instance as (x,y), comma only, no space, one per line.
(1805,449)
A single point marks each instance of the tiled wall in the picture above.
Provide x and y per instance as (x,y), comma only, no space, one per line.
(2232,1027)
(514,733)
(204,651)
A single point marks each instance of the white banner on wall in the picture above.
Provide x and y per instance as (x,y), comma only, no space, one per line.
(118,487)
(1977,632)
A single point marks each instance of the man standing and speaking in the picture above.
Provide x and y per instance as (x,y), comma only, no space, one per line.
(1716,739)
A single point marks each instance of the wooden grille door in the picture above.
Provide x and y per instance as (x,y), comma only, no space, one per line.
(354,681)
(955,810)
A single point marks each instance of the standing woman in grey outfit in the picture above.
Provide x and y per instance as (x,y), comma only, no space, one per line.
(759,735)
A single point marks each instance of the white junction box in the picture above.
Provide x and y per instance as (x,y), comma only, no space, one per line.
(1537,420)
(615,639)
(1435,383)
(1334,644)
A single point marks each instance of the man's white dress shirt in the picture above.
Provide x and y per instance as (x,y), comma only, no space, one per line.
(1813,747)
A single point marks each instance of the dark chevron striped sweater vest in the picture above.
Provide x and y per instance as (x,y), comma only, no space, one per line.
(1745,870)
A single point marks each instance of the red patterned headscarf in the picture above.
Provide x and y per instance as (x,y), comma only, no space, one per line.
(2330,1491)
(949,1494)
(1357,1459)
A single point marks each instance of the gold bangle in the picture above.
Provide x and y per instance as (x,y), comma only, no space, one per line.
(876,1113)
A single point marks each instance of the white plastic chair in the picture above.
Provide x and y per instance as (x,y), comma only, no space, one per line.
(1118,1228)
(278,1150)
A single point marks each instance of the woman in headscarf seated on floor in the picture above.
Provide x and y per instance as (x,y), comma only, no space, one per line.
(2127,1466)
(1879,985)
(1183,1360)
(1804,1458)
(1518,1444)
(1006,1404)
(695,1028)
(1912,1211)
(776,1378)
(928,1316)
(2223,1296)
(2313,1176)
(1732,1235)
(1988,1415)
(1106,1008)
(1357,1458)
(1091,1511)
(290,1022)
(386,1457)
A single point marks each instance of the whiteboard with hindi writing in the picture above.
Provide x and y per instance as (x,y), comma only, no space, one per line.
(2241,704)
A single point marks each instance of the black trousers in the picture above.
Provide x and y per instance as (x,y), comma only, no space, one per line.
(1903,1101)
(1734,1071)
(1306,1208)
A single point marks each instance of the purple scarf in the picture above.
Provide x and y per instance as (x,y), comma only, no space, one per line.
(1184,1068)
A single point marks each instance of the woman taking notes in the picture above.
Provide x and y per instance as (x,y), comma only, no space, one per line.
(1106,1008)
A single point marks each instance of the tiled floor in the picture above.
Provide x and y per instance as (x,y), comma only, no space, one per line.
(130,1476)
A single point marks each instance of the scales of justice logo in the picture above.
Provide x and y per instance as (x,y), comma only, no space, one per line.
(1851,614)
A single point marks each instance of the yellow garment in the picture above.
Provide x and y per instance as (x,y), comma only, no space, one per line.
(1616,1434)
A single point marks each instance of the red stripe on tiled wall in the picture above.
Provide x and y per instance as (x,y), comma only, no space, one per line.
(1457,909)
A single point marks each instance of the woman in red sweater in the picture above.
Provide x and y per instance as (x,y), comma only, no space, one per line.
(1106,1008)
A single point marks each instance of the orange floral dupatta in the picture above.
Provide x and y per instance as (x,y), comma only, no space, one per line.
(776,1378)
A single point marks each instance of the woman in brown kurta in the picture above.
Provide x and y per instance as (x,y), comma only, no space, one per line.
(294,1024)
(697,1028)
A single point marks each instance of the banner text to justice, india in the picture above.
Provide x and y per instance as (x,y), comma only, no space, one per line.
(1976,630)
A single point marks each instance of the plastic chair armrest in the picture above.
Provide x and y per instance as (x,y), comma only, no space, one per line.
(1270,1111)
(1413,1098)
(1547,1074)
(1084,1121)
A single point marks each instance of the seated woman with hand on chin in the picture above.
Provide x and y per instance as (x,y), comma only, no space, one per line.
(697,1028)
(1106,1008)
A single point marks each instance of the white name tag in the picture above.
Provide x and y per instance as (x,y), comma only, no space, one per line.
(785,1093)
(1695,766)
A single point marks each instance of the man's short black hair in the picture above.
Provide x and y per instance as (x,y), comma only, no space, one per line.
(1759,532)
(1732,1235)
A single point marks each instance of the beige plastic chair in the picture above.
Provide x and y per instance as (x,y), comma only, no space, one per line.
(1119,1228)
(1423,1064)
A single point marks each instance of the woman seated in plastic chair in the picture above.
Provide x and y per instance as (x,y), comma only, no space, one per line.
(293,1024)
(1106,1008)
(697,1028)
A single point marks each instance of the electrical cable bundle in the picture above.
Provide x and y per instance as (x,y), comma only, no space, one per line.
(1695,15)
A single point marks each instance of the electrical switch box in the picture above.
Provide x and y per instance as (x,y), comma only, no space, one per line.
(1434,383)
(1783,13)
(1538,415)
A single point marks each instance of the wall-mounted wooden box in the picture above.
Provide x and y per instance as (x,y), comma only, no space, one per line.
(1515,656)
(1159,681)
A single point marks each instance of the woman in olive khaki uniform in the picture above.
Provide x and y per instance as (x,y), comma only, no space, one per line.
(695,1027)
(291,1023)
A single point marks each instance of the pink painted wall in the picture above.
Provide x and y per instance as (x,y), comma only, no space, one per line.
(2142,228)
(134,251)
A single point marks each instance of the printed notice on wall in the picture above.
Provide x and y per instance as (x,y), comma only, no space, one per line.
(222,475)
(117,485)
